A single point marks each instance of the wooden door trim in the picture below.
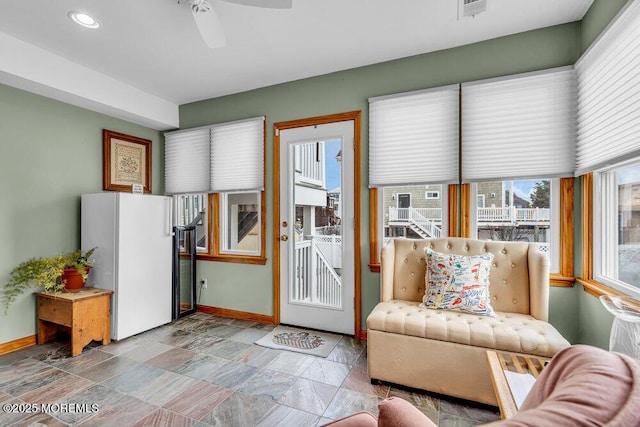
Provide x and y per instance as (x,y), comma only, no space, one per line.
(356,117)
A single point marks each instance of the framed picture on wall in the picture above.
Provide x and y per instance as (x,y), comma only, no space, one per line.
(126,160)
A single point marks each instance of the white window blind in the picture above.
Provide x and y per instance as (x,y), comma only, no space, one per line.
(609,94)
(413,137)
(187,161)
(522,126)
(237,155)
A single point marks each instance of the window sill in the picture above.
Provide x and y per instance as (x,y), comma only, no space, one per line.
(559,281)
(598,289)
(258,260)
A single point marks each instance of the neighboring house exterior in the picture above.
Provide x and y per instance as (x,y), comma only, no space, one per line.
(415,211)
(400,202)
(629,232)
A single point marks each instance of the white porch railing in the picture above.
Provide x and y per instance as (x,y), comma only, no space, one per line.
(513,214)
(506,214)
(315,281)
(403,214)
(424,221)
(428,226)
(331,248)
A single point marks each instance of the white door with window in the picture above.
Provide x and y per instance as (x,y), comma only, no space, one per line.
(317,276)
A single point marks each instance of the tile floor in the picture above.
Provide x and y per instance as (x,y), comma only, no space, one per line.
(203,371)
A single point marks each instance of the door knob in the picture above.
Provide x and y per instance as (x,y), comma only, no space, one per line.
(284,237)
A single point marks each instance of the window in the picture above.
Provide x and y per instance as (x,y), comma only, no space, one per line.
(406,133)
(518,136)
(608,155)
(240,223)
(191,209)
(431,194)
(513,129)
(216,175)
(238,218)
(616,260)
(519,210)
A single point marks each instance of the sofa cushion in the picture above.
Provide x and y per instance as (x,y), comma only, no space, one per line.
(458,282)
(520,333)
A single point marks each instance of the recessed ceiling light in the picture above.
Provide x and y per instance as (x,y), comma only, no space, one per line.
(85,20)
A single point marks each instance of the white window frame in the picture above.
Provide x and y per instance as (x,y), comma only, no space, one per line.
(606,224)
(225,223)
(480,197)
(177,204)
(431,195)
(554,241)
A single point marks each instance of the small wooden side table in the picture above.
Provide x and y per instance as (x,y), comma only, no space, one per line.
(523,364)
(85,314)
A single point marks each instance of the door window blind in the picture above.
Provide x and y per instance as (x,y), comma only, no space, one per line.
(609,94)
(187,161)
(522,126)
(413,137)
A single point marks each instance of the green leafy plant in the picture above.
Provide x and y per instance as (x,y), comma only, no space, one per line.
(45,273)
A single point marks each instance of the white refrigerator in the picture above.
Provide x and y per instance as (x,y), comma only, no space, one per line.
(133,236)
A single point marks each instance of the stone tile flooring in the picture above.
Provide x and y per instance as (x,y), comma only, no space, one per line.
(203,370)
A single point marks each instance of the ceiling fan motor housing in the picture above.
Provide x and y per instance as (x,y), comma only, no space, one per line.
(200,6)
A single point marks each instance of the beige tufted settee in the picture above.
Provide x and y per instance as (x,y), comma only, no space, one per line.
(445,351)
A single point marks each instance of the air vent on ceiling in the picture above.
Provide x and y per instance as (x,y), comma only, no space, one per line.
(471,7)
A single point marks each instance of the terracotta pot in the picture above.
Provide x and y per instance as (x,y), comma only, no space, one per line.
(73,280)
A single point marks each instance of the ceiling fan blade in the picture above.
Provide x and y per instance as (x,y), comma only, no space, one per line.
(269,4)
(209,25)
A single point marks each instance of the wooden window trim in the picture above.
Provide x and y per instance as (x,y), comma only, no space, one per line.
(374,262)
(454,203)
(374,239)
(465,210)
(213,213)
(563,278)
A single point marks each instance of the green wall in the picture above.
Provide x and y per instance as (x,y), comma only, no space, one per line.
(249,288)
(50,154)
(597,18)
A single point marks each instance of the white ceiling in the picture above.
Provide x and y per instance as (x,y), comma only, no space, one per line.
(150,51)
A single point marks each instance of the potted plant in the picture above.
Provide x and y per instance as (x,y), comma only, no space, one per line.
(55,274)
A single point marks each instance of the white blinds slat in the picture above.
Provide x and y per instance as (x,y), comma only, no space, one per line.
(237,158)
(413,138)
(187,161)
(609,94)
(523,126)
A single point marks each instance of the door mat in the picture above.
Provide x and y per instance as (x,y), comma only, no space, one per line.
(300,340)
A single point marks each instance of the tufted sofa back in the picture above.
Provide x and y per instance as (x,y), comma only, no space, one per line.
(519,275)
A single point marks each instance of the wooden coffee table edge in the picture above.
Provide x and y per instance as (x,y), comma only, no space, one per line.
(506,403)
